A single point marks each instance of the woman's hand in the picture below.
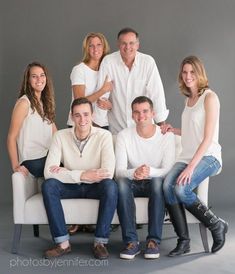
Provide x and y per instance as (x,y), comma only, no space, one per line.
(21,169)
(104,103)
(185,176)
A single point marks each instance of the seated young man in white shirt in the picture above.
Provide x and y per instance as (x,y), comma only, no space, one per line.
(143,157)
(88,159)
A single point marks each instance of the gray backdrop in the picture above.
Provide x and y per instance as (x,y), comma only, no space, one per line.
(52,31)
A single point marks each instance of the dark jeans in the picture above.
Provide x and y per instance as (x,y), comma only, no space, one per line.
(35,167)
(127,190)
(53,191)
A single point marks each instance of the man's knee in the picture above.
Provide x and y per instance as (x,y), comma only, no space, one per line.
(123,186)
(49,186)
(110,187)
(157,185)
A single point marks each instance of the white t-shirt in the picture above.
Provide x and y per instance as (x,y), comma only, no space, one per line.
(192,131)
(84,75)
(132,151)
(35,136)
(142,79)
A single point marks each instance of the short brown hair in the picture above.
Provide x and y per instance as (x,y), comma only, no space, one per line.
(127,30)
(140,100)
(81,101)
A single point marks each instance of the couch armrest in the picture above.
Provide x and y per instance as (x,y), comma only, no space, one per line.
(23,188)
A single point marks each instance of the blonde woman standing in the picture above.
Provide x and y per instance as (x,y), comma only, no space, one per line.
(84,76)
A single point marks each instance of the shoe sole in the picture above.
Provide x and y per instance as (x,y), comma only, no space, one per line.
(151,256)
(175,255)
(129,257)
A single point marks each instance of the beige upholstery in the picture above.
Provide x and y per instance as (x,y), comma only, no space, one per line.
(28,206)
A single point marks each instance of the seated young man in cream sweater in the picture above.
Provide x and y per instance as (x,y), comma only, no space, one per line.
(143,157)
(87,155)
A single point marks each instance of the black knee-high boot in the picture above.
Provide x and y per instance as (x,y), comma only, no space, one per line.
(217,226)
(178,219)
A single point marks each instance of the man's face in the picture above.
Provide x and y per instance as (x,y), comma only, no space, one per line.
(82,117)
(128,44)
(142,114)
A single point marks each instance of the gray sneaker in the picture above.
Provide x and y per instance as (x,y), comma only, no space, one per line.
(152,250)
(130,251)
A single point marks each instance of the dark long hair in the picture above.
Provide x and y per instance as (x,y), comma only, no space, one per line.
(47,97)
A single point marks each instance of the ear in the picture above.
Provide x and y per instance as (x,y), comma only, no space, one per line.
(154,114)
(138,45)
(132,116)
(92,116)
(71,115)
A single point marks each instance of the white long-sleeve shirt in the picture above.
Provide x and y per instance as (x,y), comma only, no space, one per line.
(132,151)
(97,153)
(142,79)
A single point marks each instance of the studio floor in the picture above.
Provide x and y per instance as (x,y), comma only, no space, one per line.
(30,260)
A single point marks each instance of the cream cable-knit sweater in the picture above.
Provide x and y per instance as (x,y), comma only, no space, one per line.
(97,153)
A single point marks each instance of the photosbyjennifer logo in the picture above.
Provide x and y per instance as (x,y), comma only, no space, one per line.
(75,262)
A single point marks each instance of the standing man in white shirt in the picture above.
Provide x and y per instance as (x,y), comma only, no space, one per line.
(88,158)
(132,74)
(143,157)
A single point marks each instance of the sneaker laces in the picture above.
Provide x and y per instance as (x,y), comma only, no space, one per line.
(130,246)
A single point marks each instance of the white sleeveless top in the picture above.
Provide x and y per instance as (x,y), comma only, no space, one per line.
(192,131)
(35,136)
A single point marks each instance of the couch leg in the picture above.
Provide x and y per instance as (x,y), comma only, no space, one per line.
(36,230)
(203,232)
(16,238)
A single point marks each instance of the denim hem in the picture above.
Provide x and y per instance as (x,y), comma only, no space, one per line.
(61,239)
(133,242)
(153,239)
(99,240)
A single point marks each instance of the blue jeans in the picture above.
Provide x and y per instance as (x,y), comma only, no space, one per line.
(208,166)
(36,166)
(127,190)
(53,191)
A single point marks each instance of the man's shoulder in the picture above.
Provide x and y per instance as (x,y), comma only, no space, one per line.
(126,132)
(63,132)
(168,137)
(145,57)
(97,131)
(111,57)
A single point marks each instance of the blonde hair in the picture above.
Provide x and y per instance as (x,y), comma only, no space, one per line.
(47,111)
(200,73)
(85,46)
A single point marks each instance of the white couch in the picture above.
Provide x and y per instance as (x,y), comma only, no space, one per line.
(28,207)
